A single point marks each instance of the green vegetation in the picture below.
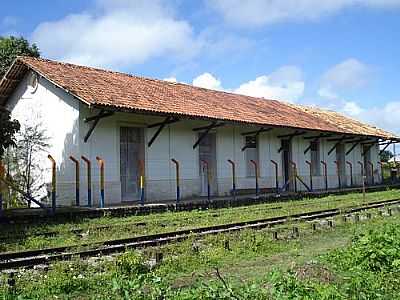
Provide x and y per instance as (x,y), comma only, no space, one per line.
(11,47)
(156,223)
(351,261)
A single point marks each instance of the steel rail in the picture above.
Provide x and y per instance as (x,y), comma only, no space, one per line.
(29,258)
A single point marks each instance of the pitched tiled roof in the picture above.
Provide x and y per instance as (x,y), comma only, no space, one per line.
(125,92)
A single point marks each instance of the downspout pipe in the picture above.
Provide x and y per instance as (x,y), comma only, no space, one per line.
(53,183)
(351,172)
(2,186)
(372,171)
(276,175)
(178,192)
(337,163)
(77,179)
(89,179)
(325,173)
(206,164)
(233,165)
(310,171)
(141,181)
(102,178)
(257,172)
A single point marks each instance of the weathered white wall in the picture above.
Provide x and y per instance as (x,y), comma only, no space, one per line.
(58,113)
(63,116)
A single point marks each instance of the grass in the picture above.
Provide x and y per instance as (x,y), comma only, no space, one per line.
(156,223)
(254,267)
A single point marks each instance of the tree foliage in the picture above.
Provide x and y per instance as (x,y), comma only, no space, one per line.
(11,47)
(386,155)
(8,129)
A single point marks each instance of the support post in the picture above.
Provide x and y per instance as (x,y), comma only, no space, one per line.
(53,184)
(276,176)
(294,175)
(351,172)
(325,174)
(233,178)
(77,179)
(208,179)
(257,175)
(2,186)
(89,179)
(142,181)
(372,172)
(362,177)
(382,178)
(101,165)
(311,177)
(178,192)
(337,163)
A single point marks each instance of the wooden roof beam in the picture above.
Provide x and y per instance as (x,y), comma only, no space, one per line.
(343,138)
(291,135)
(322,135)
(257,132)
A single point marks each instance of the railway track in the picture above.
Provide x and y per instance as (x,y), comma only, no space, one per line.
(29,258)
(22,234)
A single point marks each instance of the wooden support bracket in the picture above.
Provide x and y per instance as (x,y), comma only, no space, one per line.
(205,132)
(95,119)
(160,125)
(290,136)
(384,148)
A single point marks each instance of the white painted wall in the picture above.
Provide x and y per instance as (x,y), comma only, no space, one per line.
(59,114)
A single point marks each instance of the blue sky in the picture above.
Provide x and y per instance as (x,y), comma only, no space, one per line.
(337,54)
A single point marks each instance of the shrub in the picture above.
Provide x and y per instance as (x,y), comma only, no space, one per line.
(131,263)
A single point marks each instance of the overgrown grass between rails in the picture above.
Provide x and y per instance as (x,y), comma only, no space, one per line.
(142,225)
(254,267)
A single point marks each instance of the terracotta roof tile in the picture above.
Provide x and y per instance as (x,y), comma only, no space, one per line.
(122,91)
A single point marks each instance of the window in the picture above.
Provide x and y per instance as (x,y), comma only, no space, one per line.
(251,154)
(315,159)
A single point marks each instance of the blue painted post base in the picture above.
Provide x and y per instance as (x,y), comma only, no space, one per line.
(53,202)
(178,195)
(142,196)
(102,199)
(89,198)
(77,197)
(1,204)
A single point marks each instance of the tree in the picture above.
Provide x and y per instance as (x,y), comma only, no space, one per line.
(386,155)
(11,47)
(8,129)
(25,159)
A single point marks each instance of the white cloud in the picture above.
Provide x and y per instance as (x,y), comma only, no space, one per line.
(348,74)
(171,79)
(352,109)
(118,33)
(380,116)
(261,12)
(284,84)
(208,81)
